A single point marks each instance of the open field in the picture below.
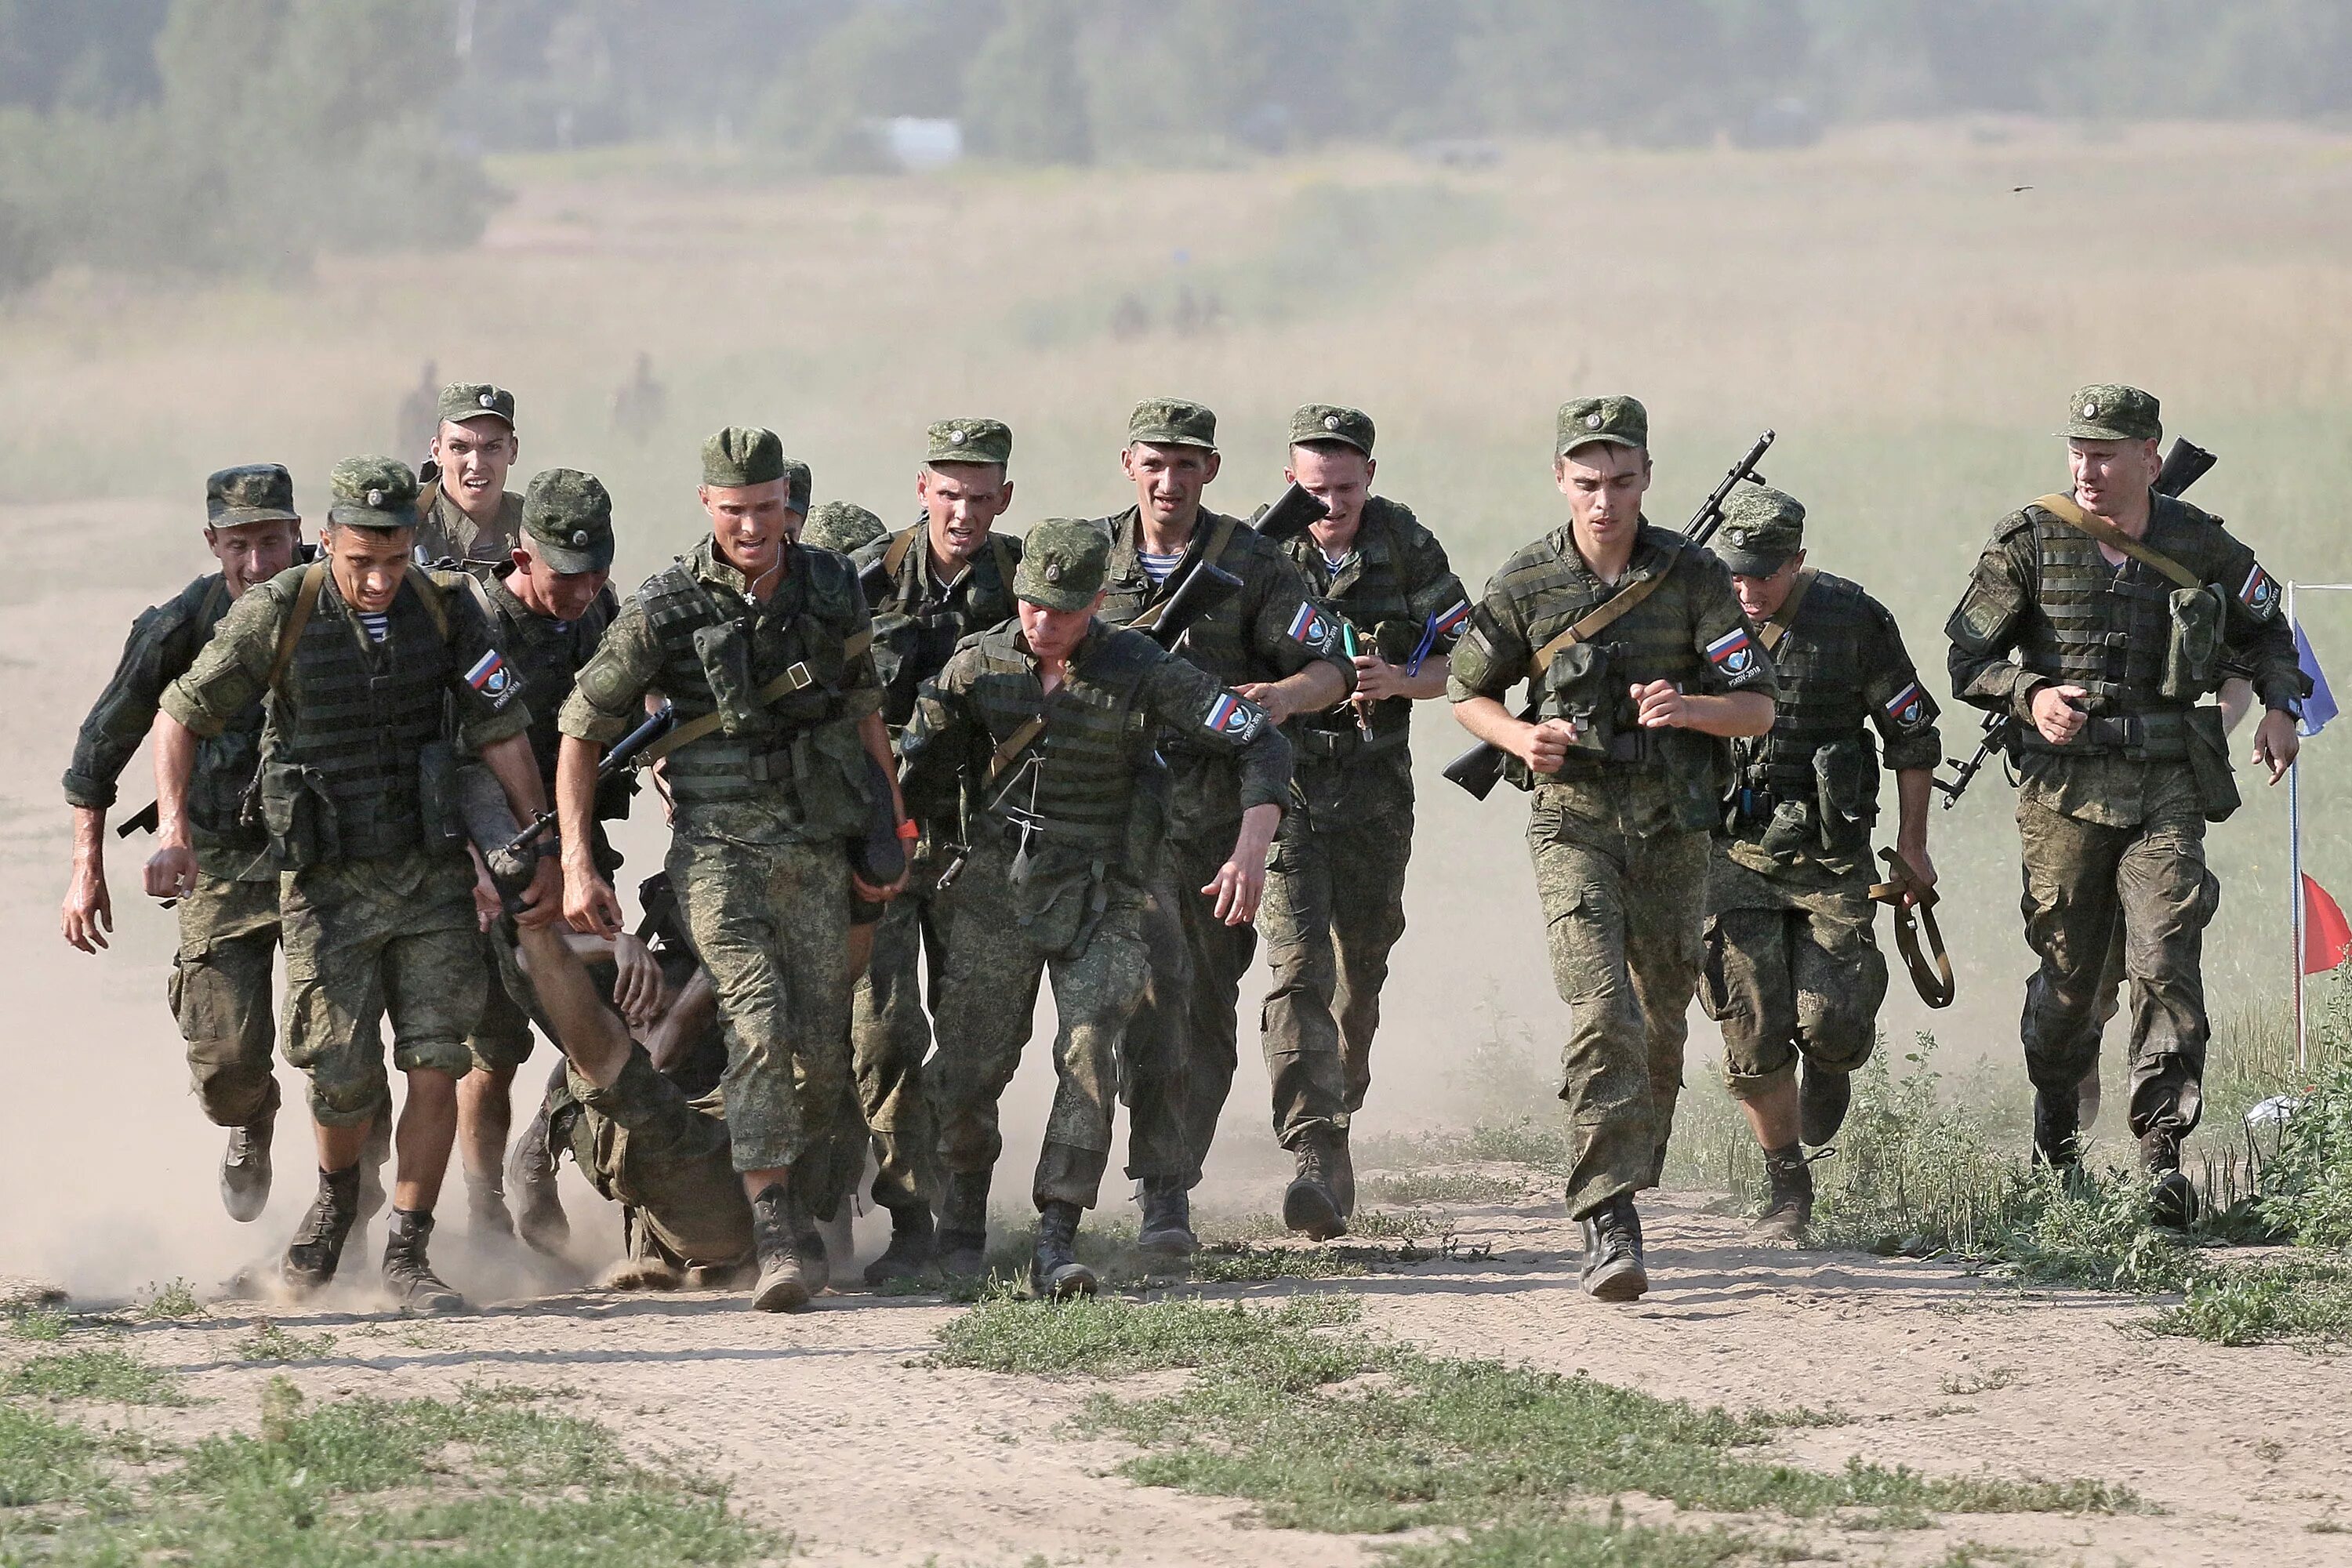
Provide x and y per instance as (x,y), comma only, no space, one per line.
(1891,303)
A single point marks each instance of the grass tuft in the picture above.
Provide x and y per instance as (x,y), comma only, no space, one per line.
(107,1374)
(169,1302)
(268,1342)
(39,1323)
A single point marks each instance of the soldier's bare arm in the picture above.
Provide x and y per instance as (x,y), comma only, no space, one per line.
(607,701)
(170,871)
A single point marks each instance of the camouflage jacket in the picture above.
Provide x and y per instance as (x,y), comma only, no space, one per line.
(918,620)
(445,533)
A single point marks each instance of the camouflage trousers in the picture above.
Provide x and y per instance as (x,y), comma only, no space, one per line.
(643,1143)
(772,924)
(2094,892)
(1789,972)
(395,937)
(1334,909)
(1091,942)
(502,1040)
(1623,891)
(220,993)
(890,1034)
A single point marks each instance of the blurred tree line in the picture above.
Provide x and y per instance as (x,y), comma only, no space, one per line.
(217,134)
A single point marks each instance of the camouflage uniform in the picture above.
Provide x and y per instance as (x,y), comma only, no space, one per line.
(1185,1035)
(1791,962)
(664,1154)
(1072,889)
(2113,823)
(443,531)
(764,808)
(1619,836)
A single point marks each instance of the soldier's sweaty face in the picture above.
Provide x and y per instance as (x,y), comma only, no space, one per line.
(1169,481)
(1340,477)
(473,459)
(751,524)
(1760,596)
(1604,483)
(368,563)
(1053,635)
(963,502)
(251,552)
(2112,478)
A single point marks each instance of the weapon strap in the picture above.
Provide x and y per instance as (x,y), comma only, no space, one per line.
(896,555)
(306,599)
(1598,621)
(1933,980)
(2063,509)
(1219,537)
(799,678)
(1777,628)
(1009,750)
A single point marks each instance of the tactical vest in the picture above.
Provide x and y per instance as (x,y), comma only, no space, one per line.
(769,747)
(1378,598)
(548,661)
(2104,628)
(1218,643)
(225,762)
(1821,704)
(357,764)
(1098,734)
(930,625)
(1650,642)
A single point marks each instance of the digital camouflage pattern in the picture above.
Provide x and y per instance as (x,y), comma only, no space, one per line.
(890,1032)
(373,492)
(2106,412)
(741,456)
(969,441)
(567,515)
(220,993)
(920,619)
(644,1142)
(1317,422)
(444,533)
(1172,422)
(1789,972)
(254,492)
(843,527)
(1621,421)
(799,484)
(465,400)
(1761,528)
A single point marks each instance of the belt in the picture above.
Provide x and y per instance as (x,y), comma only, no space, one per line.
(1329,745)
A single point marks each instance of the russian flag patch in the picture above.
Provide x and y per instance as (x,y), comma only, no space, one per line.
(1908,709)
(490,675)
(1232,717)
(1734,652)
(2261,594)
(1308,627)
(1444,624)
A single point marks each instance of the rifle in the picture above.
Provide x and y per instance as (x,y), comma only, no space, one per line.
(622,757)
(1292,511)
(2184,465)
(1480,769)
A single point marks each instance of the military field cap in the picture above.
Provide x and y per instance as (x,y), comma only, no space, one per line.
(1172,422)
(1761,529)
(741,456)
(970,441)
(1064,564)
(464,400)
(569,517)
(798,483)
(258,492)
(1329,422)
(373,492)
(1583,420)
(2105,412)
(842,525)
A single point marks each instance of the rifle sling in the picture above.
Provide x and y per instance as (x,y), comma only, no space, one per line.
(1597,621)
(2063,509)
(306,599)
(1219,537)
(1933,980)
(1778,626)
(797,679)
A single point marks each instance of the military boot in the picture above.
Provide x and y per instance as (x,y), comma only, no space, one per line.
(1613,1252)
(1309,1204)
(786,1282)
(318,1245)
(1343,1171)
(530,1172)
(1166,1219)
(2057,1131)
(375,1157)
(2172,1197)
(909,1256)
(244,1168)
(2086,1100)
(963,1238)
(1788,1207)
(486,1207)
(407,1275)
(1821,1101)
(1054,1272)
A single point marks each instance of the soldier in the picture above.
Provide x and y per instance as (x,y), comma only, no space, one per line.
(2121,607)
(947,576)
(360,662)
(1050,723)
(760,646)
(1793,969)
(1335,888)
(799,481)
(466,513)
(228,921)
(1270,644)
(843,527)
(548,605)
(1639,656)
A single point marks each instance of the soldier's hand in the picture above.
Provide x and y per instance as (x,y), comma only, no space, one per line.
(1268,696)
(1546,745)
(542,902)
(1923,869)
(638,991)
(1238,886)
(2276,744)
(2057,715)
(591,905)
(171,872)
(88,912)
(1662,706)
(1376,678)
(874,893)
(487,905)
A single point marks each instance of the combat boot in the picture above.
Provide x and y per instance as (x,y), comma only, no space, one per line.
(1788,1206)
(2057,1131)
(244,1168)
(1167,1230)
(375,1156)
(486,1207)
(963,1238)
(318,1245)
(410,1278)
(1613,1252)
(786,1282)
(1821,1101)
(1309,1204)
(2172,1197)
(1054,1272)
(909,1256)
(530,1172)
(1343,1171)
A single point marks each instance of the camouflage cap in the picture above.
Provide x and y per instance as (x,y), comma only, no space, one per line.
(970,441)
(464,400)
(1761,529)
(569,517)
(798,483)
(842,525)
(1064,564)
(741,456)
(1584,420)
(373,492)
(1172,422)
(256,492)
(1330,422)
(2105,412)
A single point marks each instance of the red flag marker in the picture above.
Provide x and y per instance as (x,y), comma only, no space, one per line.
(2327,935)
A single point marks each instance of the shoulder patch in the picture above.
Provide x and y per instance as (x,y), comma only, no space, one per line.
(1908,709)
(1312,629)
(1235,717)
(1734,652)
(2259,594)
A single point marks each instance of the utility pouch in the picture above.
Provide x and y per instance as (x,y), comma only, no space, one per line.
(1695,766)
(297,814)
(1146,819)
(1842,777)
(725,652)
(878,855)
(1577,688)
(1791,833)
(438,808)
(2193,647)
(2209,761)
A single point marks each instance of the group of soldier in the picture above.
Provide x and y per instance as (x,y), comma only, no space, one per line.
(911,775)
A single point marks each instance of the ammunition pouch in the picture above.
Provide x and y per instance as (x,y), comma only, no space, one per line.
(1577,687)
(2208,761)
(1695,764)
(1147,819)
(1845,775)
(298,815)
(2192,644)
(724,650)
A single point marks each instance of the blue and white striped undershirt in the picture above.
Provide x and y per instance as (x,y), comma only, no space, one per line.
(377,622)
(1157,567)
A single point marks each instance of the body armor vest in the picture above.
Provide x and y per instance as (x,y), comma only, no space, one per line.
(2105,628)
(1097,734)
(225,762)
(1822,702)
(548,660)
(928,627)
(1378,598)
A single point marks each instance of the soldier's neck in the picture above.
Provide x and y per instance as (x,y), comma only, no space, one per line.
(1169,538)
(1607,563)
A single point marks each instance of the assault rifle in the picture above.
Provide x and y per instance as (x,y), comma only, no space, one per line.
(1480,768)
(2184,465)
(1292,511)
(625,756)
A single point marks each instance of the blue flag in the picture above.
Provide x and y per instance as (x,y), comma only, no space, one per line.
(2320,706)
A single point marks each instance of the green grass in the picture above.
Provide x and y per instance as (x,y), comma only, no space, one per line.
(39,1323)
(44,1460)
(268,1342)
(1407,1188)
(169,1302)
(109,1374)
(1588,1543)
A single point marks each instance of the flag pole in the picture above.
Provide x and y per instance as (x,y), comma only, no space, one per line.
(2295,874)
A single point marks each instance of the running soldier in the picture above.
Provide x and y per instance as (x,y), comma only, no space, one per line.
(465,512)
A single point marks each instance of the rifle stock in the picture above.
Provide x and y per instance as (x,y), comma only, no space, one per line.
(1292,511)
